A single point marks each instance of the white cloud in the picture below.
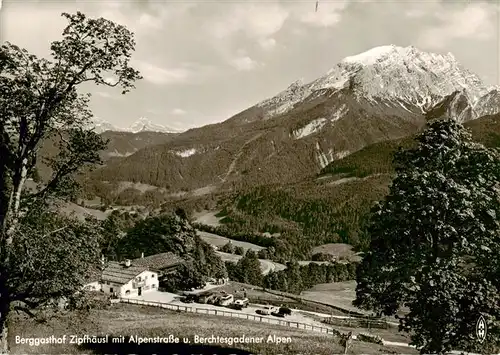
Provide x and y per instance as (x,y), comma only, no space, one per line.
(267,43)
(328,14)
(103,94)
(162,76)
(178,111)
(474,21)
(244,63)
(257,21)
(415,13)
(142,23)
(25,25)
(146,20)
(187,73)
(108,96)
(110,80)
(264,21)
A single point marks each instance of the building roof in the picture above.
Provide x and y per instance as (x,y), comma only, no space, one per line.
(121,274)
(94,274)
(158,261)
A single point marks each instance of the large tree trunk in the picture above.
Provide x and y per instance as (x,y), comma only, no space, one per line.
(4,312)
(9,214)
(4,293)
(12,215)
(5,197)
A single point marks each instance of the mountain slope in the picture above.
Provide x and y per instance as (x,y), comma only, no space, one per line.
(330,207)
(280,149)
(383,94)
(123,144)
(120,144)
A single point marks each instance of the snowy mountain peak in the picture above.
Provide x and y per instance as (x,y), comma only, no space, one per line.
(99,125)
(296,83)
(371,56)
(141,125)
(393,53)
(390,73)
(145,125)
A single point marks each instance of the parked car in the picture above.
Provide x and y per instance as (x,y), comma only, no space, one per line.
(189,298)
(241,303)
(278,314)
(226,300)
(203,298)
(267,310)
(285,311)
(212,299)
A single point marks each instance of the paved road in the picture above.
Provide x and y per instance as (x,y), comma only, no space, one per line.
(266,265)
(219,241)
(171,298)
(297,314)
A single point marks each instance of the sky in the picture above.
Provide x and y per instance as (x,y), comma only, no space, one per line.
(206,60)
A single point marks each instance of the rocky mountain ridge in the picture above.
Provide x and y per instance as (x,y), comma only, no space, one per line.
(405,75)
(386,93)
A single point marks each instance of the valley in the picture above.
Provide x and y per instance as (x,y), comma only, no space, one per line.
(293,177)
(299,172)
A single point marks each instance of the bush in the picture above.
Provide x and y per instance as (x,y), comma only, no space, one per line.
(370,338)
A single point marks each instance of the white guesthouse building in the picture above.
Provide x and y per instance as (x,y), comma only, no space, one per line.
(125,279)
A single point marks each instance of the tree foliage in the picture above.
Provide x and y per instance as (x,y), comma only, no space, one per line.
(153,235)
(39,100)
(294,279)
(185,277)
(227,248)
(174,234)
(248,269)
(435,242)
(59,254)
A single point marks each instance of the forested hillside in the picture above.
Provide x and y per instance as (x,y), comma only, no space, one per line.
(333,206)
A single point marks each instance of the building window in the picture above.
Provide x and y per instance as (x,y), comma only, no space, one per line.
(145,277)
(127,292)
(111,289)
(152,276)
(153,286)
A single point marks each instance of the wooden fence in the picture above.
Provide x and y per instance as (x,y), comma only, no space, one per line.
(353,318)
(299,299)
(356,322)
(225,313)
